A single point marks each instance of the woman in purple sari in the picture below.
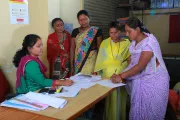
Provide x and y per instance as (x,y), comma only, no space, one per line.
(146,76)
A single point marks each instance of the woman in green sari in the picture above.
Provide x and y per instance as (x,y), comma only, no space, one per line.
(113,57)
(85,43)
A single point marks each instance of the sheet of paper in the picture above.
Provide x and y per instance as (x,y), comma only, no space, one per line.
(67,92)
(85,78)
(46,99)
(109,84)
(84,85)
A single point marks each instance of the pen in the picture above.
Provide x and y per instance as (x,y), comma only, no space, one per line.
(115,71)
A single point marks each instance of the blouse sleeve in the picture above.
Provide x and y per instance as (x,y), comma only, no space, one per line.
(147,48)
(33,70)
(75,32)
(99,33)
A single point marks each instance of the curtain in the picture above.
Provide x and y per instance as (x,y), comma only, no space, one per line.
(174,28)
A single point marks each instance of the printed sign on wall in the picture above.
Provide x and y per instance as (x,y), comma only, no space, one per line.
(19,11)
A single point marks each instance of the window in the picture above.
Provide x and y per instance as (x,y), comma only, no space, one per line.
(155,4)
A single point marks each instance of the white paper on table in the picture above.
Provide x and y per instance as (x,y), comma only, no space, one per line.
(67,92)
(85,85)
(47,99)
(73,90)
(108,83)
(85,78)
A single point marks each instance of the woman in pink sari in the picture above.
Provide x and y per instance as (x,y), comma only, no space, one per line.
(146,76)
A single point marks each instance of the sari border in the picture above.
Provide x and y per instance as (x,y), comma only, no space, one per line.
(89,49)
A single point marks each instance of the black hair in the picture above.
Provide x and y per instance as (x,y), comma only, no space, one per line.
(116,24)
(29,41)
(134,22)
(81,12)
(55,20)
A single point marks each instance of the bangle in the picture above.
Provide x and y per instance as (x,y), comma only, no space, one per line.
(120,77)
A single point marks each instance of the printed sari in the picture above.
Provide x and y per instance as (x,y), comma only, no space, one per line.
(85,57)
(59,65)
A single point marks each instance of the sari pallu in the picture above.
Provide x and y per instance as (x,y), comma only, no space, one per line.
(85,57)
(54,50)
(112,57)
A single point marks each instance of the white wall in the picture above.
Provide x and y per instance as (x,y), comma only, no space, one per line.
(158,24)
(65,9)
(69,10)
(53,11)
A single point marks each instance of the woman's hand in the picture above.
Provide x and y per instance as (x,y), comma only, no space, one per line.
(67,82)
(94,73)
(116,78)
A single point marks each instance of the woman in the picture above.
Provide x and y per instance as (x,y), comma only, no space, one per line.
(30,70)
(146,76)
(58,49)
(113,57)
(85,43)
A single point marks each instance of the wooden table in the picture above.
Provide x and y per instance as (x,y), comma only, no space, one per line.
(74,108)
(15,114)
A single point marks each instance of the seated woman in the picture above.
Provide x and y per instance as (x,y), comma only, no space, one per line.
(112,57)
(30,70)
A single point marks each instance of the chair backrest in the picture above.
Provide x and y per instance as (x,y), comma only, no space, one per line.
(4,87)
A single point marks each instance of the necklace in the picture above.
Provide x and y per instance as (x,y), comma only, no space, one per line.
(61,40)
(113,53)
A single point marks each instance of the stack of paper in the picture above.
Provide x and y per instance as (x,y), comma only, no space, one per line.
(84,81)
(46,99)
(87,78)
(22,102)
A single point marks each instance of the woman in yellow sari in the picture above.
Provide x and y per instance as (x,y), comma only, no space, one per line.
(85,43)
(113,58)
